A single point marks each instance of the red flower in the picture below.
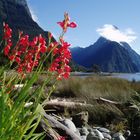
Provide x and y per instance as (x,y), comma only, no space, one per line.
(6,50)
(72,25)
(61,24)
(17,59)
(24,42)
(43,49)
(20,69)
(41,39)
(12,57)
(7,31)
(66,23)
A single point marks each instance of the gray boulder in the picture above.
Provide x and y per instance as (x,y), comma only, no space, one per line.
(91,135)
(98,134)
(105,130)
(106,135)
(127,133)
(84,131)
(93,138)
(118,136)
(84,137)
(70,124)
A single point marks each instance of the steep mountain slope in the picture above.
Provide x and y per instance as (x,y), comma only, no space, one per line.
(135,57)
(109,55)
(16,13)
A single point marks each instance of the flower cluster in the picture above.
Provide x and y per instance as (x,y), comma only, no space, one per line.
(27,54)
(7,31)
(60,63)
(63,54)
(7,37)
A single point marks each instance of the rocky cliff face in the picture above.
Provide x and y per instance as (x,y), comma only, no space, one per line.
(16,13)
(22,3)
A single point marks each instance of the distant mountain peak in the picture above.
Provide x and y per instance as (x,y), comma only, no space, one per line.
(102,39)
(110,56)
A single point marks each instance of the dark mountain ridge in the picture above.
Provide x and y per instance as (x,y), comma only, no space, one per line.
(109,55)
(17,14)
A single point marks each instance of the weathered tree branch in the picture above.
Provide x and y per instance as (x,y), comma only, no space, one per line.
(103,100)
(67,104)
(56,124)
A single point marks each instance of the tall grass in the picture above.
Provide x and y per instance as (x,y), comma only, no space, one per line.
(94,87)
(90,88)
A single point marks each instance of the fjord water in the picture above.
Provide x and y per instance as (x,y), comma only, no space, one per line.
(127,76)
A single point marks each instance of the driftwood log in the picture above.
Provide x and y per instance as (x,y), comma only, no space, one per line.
(67,104)
(75,104)
(56,124)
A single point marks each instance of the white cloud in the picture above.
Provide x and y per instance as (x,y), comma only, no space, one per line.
(113,33)
(130,31)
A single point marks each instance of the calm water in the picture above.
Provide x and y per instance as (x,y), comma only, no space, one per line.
(127,76)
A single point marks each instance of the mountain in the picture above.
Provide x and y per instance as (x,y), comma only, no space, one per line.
(135,57)
(17,14)
(109,55)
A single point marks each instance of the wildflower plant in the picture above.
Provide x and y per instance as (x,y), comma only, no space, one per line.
(20,100)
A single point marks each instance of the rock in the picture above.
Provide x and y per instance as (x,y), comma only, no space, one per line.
(118,136)
(70,124)
(91,135)
(106,135)
(93,138)
(84,131)
(98,134)
(102,129)
(77,132)
(84,137)
(127,133)
(105,139)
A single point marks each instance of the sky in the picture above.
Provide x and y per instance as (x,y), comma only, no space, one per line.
(117,20)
